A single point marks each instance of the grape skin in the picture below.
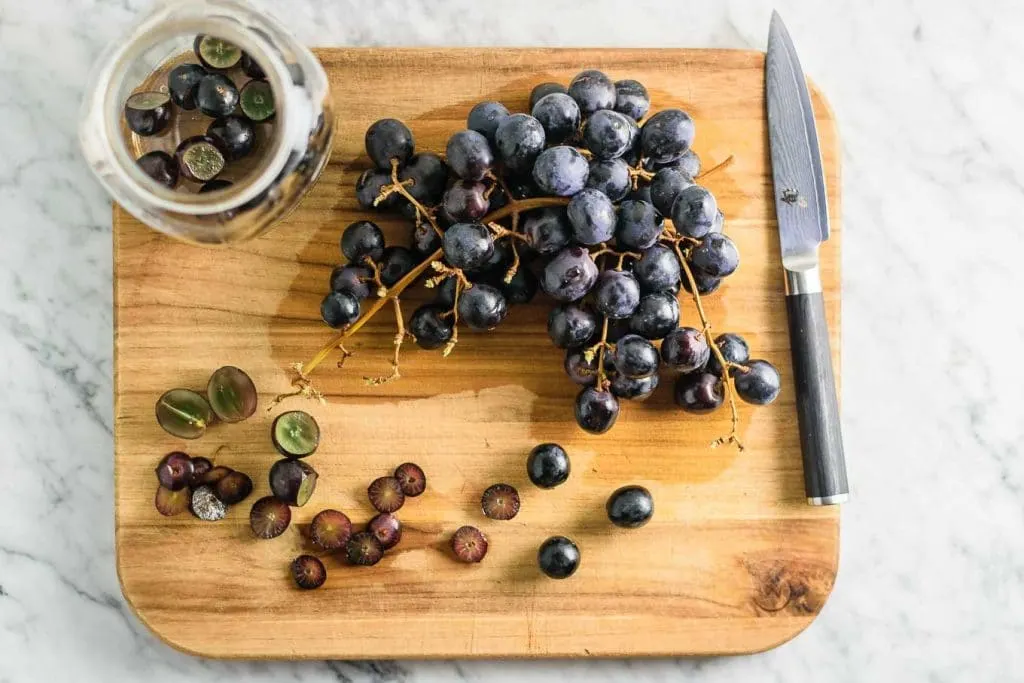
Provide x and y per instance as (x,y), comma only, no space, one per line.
(482,307)
(519,139)
(559,115)
(655,316)
(592,216)
(608,134)
(569,275)
(693,211)
(657,270)
(467,245)
(617,294)
(547,230)
(571,325)
(561,171)
(667,135)
(638,226)
(469,155)
(592,91)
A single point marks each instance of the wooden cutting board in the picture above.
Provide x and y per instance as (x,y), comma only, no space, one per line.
(734,560)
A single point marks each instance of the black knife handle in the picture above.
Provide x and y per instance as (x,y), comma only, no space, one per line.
(821,439)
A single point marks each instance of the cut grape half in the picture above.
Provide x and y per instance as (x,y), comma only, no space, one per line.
(231,394)
(295,434)
(183,413)
(257,101)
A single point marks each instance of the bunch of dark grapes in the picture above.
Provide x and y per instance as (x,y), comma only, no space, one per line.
(587,198)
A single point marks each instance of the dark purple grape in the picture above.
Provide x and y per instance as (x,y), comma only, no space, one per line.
(199,159)
(233,135)
(592,91)
(596,410)
(362,239)
(705,283)
(657,270)
(611,177)
(308,572)
(175,471)
(631,99)
(716,256)
(520,289)
(519,140)
(630,507)
(200,466)
(544,89)
(686,350)
(735,350)
(689,163)
(482,307)
(387,140)
(445,297)
(759,384)
(572,325)
(216,95)
(251,68)
(233,488)
(548,465)
(608,134)
(638,226)
(183,84)
(425,240)
(667,135)
(656,316)
(148,113)
(561,171)
(411,478)
(468,245)
(617,294)
(356,280)
(634,388)
(363,549)
(385,494)
(387,528)
(547,230)
(269,517)
(330,529)
(522,186)
(368,187)
(500,502)
(592,217)
(666,186)
(559,115)
(693,211)
(464,202)
(617,329)
(396,264)
(485,117)
(580,370)
(570,274)
(339,309)
(636,357)
(469,154)
(469,544)
(161,167)
(429,174)
(431,326)
(699,392)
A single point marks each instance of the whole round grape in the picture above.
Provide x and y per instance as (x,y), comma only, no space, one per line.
(667,135)
(631,99)
(353,279)
(368,187)
(656,316)
(706,284)
(580,370)
(592,91)
(569,275)
(388,139)
(693,211)
(485,117)
(634,388)
(465,202)
(760,384)
(482,307)
(608,134)
(543,90)
(592,216)
(362,239)
(635,356)
(666,186)
(521,288)
(395,264)
(716,256)
(657,270)
(561,171)
(429,174)
(425,240)
(519,139)
(617,294)
(699,392)
(339,309)
(559,115)
(547,230)
(630,507)
(596,410)
(610,176)
(686,350)
(571,326)
(469,155)
(431,326)
(548,465)
(467,245)
(638,226)
(735,350)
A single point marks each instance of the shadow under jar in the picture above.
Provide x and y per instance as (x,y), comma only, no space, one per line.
(208,122)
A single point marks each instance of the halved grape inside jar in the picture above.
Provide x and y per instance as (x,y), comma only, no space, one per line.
(257,101)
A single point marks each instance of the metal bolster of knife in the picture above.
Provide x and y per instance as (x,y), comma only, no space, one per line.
(804,281)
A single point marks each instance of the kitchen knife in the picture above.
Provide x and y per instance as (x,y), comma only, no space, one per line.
(802,209)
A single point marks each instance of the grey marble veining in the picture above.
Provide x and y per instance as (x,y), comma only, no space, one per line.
(928,97)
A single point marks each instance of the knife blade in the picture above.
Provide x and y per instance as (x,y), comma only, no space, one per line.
(801,206)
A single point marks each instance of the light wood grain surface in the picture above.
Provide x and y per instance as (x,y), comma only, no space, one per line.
(734,560)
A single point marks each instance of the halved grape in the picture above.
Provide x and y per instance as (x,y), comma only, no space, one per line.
(231,394)
(257,101)
(217,53)
(183,413)
(295,434)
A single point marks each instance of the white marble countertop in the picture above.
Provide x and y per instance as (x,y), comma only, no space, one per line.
(931,584)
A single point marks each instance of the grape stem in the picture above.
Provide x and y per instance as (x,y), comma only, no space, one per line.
(399,187)
(716,168)
(400,336)
(602,380)
(733,436)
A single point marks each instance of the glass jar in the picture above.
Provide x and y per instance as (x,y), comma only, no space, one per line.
(263,188)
